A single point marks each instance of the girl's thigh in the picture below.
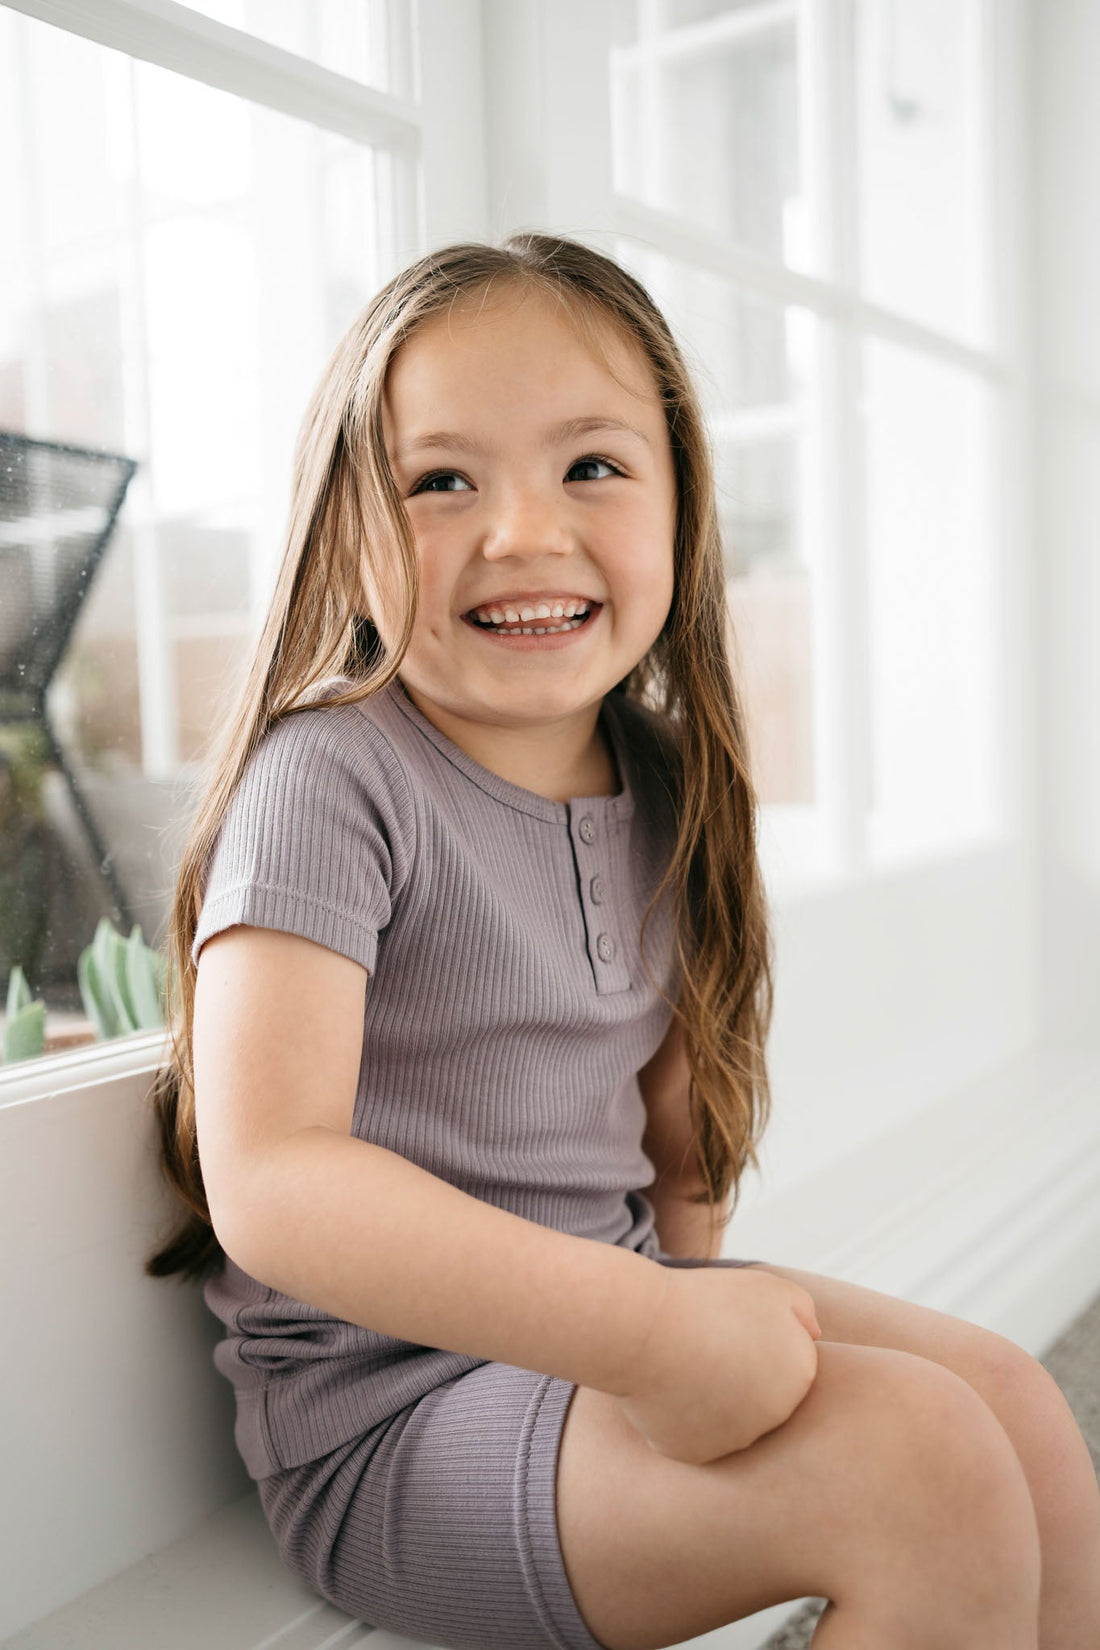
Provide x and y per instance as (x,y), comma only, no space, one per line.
(890,1470)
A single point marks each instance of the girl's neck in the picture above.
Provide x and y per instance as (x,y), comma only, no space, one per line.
(575,760)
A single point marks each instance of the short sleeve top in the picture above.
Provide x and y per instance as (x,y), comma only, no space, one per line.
(507,1011)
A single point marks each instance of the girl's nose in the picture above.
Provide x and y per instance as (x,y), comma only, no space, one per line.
(526,522)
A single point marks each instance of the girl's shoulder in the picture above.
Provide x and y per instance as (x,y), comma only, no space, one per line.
(365,724)
(321,750)
(318,837)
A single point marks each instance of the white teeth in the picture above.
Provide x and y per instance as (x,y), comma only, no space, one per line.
(527,612)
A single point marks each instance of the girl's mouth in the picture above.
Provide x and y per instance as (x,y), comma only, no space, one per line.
(546,633)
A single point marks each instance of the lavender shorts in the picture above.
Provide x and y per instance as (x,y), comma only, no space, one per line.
(439,1524)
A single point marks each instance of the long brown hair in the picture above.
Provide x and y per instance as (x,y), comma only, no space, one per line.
(346,508)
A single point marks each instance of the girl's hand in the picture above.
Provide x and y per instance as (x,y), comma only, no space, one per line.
(730,1355)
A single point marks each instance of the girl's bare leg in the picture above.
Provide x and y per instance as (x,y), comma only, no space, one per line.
(892,1490)
(1033,1412)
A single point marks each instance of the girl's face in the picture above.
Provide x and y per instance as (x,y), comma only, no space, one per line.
(530,476)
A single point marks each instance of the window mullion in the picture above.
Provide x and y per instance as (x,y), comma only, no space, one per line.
(184,41)
(844,630)
(817,508)
(1018,780)
(455,203)
(549,117)
(156,652)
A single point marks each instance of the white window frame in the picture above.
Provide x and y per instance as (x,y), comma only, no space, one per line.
(441,129)
(841,679)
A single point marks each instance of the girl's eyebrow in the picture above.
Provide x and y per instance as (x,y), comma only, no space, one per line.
(555,434)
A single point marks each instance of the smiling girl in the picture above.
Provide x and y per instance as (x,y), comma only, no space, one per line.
(469,1053)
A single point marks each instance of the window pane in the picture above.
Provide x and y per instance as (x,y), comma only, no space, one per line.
(933,598)
(367,40)
(705,117)
(753,363)
(159,301)
(923,188)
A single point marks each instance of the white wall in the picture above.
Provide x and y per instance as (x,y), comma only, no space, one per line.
(1066,242)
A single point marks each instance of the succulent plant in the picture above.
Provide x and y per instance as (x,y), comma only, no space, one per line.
(122,986)
(122,982)
(25,1020)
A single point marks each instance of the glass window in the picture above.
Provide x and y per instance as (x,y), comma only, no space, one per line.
(719,116)
(754,363)
(367,40)
(932,605)
(705,108)
(172,303)
(923,186)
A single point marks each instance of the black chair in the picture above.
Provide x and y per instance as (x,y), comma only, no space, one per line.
(58,509)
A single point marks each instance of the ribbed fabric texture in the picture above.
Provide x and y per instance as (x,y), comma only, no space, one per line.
(506,1016)
(441,1525)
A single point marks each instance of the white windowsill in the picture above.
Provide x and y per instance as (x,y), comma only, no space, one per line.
(81,1068)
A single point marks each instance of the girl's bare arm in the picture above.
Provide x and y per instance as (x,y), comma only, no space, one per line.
(684,1228)
(359,1231)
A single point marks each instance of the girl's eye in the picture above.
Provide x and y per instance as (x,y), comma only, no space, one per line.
(426,483)
(593,459)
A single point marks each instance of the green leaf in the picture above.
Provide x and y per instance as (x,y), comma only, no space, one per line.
(120,981)
(19,992)
(109,950)
(98,1003)
(142,978)
(25,1032)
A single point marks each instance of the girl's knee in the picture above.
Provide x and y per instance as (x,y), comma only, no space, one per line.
(939,1467)
(1025,1395)
(1035,1413)
(971,1476)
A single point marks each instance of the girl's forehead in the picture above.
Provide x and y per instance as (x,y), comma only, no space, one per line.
(493,331)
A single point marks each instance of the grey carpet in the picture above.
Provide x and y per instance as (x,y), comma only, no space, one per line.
(1074,1361)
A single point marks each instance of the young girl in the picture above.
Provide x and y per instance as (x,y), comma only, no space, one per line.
(475,986)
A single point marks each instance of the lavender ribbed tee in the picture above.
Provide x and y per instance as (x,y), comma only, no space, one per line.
(507,1012)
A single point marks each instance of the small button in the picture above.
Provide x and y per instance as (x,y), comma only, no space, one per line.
(587,829)
(595,888)
(605,947)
